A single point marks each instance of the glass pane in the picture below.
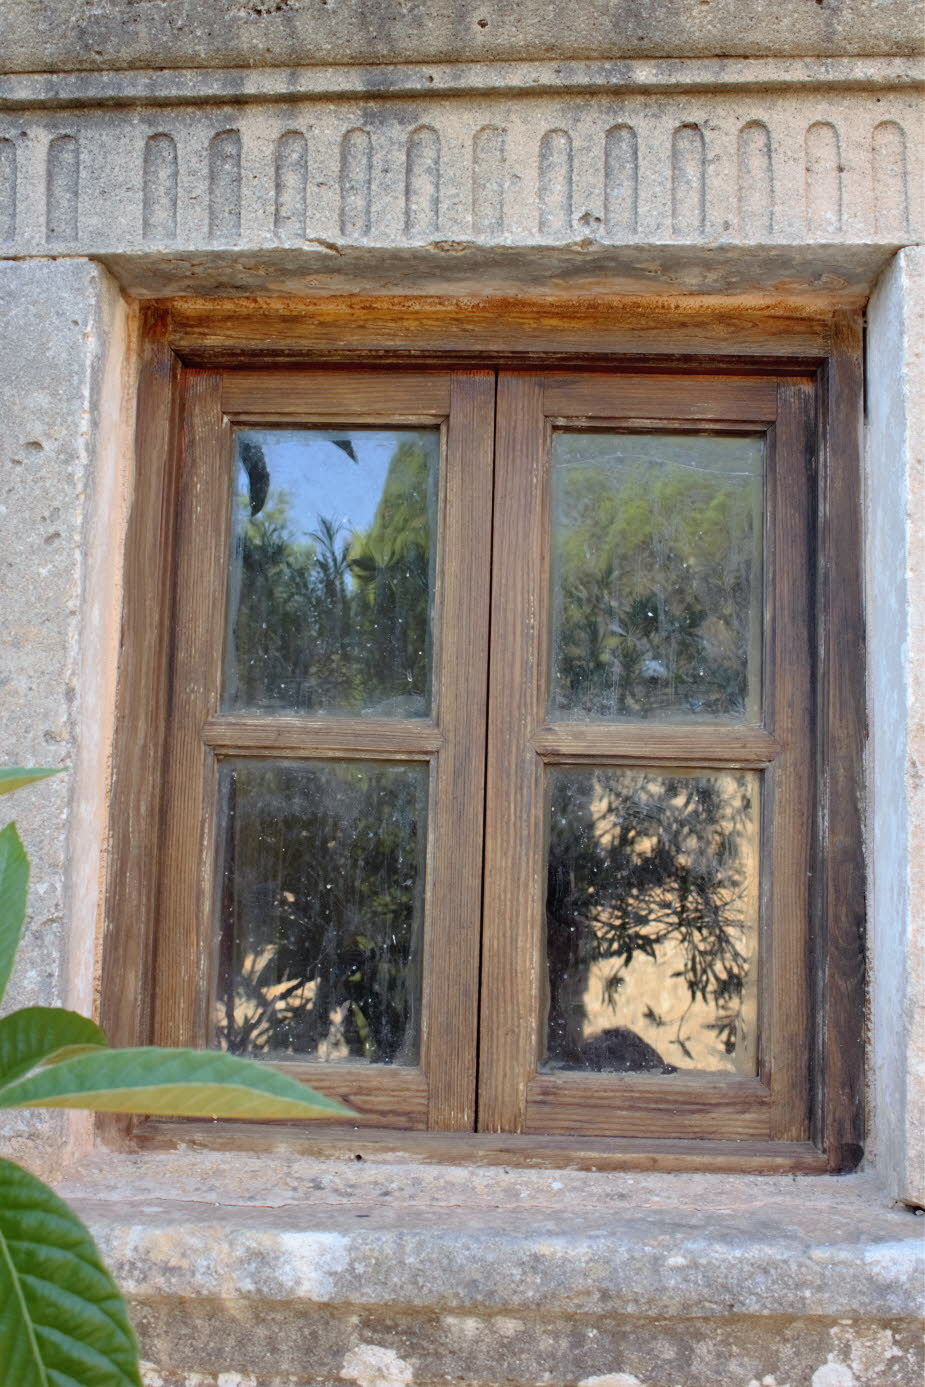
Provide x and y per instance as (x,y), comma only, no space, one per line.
(652,920)
(331,576)
(320,909)
(656,576)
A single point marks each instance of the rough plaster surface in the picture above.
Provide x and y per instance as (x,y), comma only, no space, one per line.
(40,34)
(896,602)
(709,168)
(59,319)
(912,1053)
(392,1349)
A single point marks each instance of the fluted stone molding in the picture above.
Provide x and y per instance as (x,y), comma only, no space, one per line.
(733,166)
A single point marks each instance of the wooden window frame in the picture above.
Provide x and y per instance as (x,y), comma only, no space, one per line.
(792,373)
(439,1093)
(523,744)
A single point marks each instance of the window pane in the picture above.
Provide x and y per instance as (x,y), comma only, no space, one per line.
(652,920)
(656,575)
(331,575)
(320,909)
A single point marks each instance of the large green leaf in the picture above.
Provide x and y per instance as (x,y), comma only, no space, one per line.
(14,881)
(14,777)
(43,1035)
(177,1083)
(62,1320)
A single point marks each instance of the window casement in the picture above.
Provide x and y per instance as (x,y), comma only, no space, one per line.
(483,717)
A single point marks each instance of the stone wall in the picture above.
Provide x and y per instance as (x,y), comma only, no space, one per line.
(292,1272)
(724,148)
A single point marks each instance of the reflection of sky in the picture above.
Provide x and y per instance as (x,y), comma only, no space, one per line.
(319,478)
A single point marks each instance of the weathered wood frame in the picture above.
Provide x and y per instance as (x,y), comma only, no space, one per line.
(513,1095)
(440,1093)
(807,354)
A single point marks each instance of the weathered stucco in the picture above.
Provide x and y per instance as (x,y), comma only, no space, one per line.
(66,367)
(896,635)
(318,146)
(42,35)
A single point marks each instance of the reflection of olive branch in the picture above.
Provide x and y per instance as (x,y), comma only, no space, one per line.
(631,873)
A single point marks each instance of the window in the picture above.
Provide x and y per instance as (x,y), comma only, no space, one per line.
(488,747)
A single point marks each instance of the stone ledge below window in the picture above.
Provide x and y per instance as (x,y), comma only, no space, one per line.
(295,1272)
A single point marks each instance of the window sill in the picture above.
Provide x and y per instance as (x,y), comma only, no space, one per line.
(230,1259)
(575,1152)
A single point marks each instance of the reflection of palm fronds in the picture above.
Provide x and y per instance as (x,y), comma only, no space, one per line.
(341,620)
(331,557)
(254,462)
(323,906)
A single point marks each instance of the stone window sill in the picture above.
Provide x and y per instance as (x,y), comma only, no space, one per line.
(233,1262)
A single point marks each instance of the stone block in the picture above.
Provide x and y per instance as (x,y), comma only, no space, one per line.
(41,35)
(730,167)
(290,1271)
(896,696)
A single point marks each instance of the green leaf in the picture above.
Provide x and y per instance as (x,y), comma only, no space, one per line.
(14,880)
(43,1035)
(173,1083)
(14,777)
(62,1320)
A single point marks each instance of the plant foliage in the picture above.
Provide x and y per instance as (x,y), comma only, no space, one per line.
(63,1322)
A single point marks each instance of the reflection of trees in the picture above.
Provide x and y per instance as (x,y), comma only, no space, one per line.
(639,861)
(321,892)
(340,621)
(321,909)
(320,899)
(653,587)
(654,546)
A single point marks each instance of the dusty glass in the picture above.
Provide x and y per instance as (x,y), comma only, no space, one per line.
(331,578)
(652,920)
(656,576)
(320,909)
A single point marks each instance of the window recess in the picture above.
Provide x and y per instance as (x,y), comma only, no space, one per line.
(489,725)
